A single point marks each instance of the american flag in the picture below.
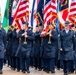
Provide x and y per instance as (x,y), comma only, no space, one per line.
(72,13)
(50,13)
(63,12)
(14,6)
(22,13)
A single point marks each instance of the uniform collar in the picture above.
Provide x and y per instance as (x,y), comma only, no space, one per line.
(66,31)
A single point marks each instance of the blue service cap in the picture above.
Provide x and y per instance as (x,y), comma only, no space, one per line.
(67,23)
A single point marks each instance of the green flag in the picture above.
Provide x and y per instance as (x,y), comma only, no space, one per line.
(6,17)
(6,14)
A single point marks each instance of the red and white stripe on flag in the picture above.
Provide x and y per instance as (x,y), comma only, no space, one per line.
(22,13)
(72,13)
(49,12)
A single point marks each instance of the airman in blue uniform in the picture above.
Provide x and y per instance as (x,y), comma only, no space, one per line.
(75,48)
(15,43)
(37,46)
(67,47)
(2,46)
(9,49)
(50,48)
(25,47)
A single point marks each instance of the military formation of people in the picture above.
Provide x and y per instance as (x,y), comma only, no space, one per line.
(24,49)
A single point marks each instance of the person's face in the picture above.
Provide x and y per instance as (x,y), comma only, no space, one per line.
(67,27)
(51,26)
(74,29)
(40,28)
(37,28)
(24,27)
